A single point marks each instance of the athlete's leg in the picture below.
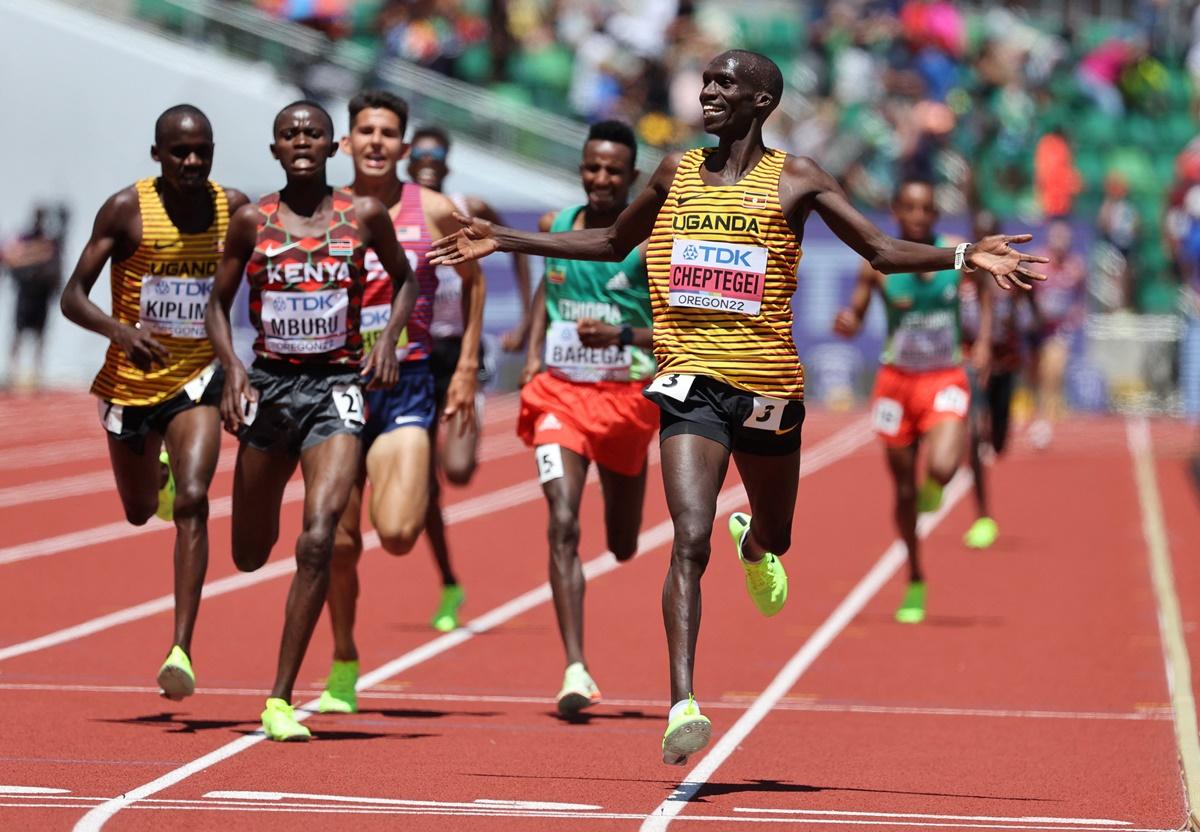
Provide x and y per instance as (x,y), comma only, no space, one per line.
(398,466)
(137,476)
(999,394)
(459,451)
(563,495)
(978,473)
(1052,366)
(343,574)
(693,469)
(944,444)
(259,479)
(623,499)
(330,470)
(771,483)
(902,462)
(193,441)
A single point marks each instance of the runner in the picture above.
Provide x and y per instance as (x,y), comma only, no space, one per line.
(921,392)
(303,251)
(399,420)
(159,387)
(456,456)
(725,226)
(593,322)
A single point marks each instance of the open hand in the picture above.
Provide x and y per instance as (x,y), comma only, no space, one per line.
(1005,264)
(474,240)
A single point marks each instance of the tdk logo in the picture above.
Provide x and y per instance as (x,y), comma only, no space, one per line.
(374,317)
(305,302)
(718,255)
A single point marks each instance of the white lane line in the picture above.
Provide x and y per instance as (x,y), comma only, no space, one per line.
(887,565)
(922,816)
(1170,621)
(837,447)
(482,802)
(31,790)
(52,453)
(726,703)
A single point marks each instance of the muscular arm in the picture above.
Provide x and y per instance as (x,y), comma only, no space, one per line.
(115,235)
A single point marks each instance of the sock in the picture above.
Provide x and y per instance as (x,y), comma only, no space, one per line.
(680,706)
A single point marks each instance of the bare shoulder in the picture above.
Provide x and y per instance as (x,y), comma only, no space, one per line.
(804,170)
(479,207)
(436,205)
(236,199)
(547,220)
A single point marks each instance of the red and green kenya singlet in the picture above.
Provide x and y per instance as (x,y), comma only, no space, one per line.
(722,264)
(416,343)
(306,292)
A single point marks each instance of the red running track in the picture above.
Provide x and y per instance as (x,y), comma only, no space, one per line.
(1034,697)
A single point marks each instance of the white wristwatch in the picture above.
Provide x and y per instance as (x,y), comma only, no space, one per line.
(960,258)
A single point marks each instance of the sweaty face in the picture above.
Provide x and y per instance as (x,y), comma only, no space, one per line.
(606,173)
(303,141)
(376,142)
(727,99)
(185,153)
(427,162)
(915,211)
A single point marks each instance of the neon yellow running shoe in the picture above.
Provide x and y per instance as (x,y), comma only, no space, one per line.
(929,497)
(446,618)
(912,608)
(339,696)
(982,534)
(175,677)
(279,723)
(686,734)
(579,690)
(166,494)
(766,580)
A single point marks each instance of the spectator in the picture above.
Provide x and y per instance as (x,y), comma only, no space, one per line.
(35,261)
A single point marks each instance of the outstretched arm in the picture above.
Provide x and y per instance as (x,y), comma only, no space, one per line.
(479,238)
(805,187)
(239,246)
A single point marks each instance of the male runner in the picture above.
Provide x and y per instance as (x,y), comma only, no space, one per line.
(399,420)
(725,226)
(35,261)
(922,395)
(593,322)
(303,250)
(456,456)
(159,387)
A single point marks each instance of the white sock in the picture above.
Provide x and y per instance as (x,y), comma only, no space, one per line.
(679,708)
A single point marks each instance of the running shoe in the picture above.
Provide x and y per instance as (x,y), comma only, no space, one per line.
(579,691)
(912,608)
(929,496)
(339,696)
(982,534)
(446,618)
(279,723)
(686,734)
(766,580)
(175,677)
(166,494)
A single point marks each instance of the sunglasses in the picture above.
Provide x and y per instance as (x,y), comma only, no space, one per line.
(437,154)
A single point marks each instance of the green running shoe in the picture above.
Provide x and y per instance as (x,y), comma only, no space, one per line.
(175,677)
(929,497)
(686,734)
(912,608)
(982,534)
(166,494)
(446,618)
(339,696)
(279,723)
(766,580)
(579,690)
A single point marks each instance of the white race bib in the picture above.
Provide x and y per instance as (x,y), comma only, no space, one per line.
(196,387)
(549,462)
(887,416)
(952,399)
(722,277)
(348,399)
(673,385)
(112,416)
(304,323)
(767,413)
(926,341)
(174,306)
(373,321)
(567,354)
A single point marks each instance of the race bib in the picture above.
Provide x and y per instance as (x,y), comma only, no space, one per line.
(672,385)
(887,416)
(767,413)
(567,354)
(174,306)
(952,399)
(549,462)
(249,410)
(112,416)
(304,323)
(373,321)
(926,342)
(348,399)
(196,387)
(723,277)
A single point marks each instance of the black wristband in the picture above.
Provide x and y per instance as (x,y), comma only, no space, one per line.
(625,339)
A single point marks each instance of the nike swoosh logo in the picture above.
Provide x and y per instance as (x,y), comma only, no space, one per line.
(273,252)
(160,246)
(779,432)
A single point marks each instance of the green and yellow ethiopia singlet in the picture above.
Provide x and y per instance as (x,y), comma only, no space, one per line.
(924,332)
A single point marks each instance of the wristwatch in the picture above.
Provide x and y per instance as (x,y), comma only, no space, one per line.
(625,339)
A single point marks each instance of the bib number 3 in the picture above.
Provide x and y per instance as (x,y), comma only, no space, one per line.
(672,385)
(767,413)
(349,401)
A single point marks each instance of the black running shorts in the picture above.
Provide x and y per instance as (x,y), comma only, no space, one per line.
(300,406)
(129,424)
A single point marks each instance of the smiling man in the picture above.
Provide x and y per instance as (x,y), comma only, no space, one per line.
(725,226)
(303,251)
(157,390)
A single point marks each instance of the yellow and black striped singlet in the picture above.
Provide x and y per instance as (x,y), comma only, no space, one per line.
(163,287)
(722,265)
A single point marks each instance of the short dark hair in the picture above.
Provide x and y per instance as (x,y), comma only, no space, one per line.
(179,111)
(905,181)
(436,133)
(617,132)
(379,100)
(764,72)
(307,103)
